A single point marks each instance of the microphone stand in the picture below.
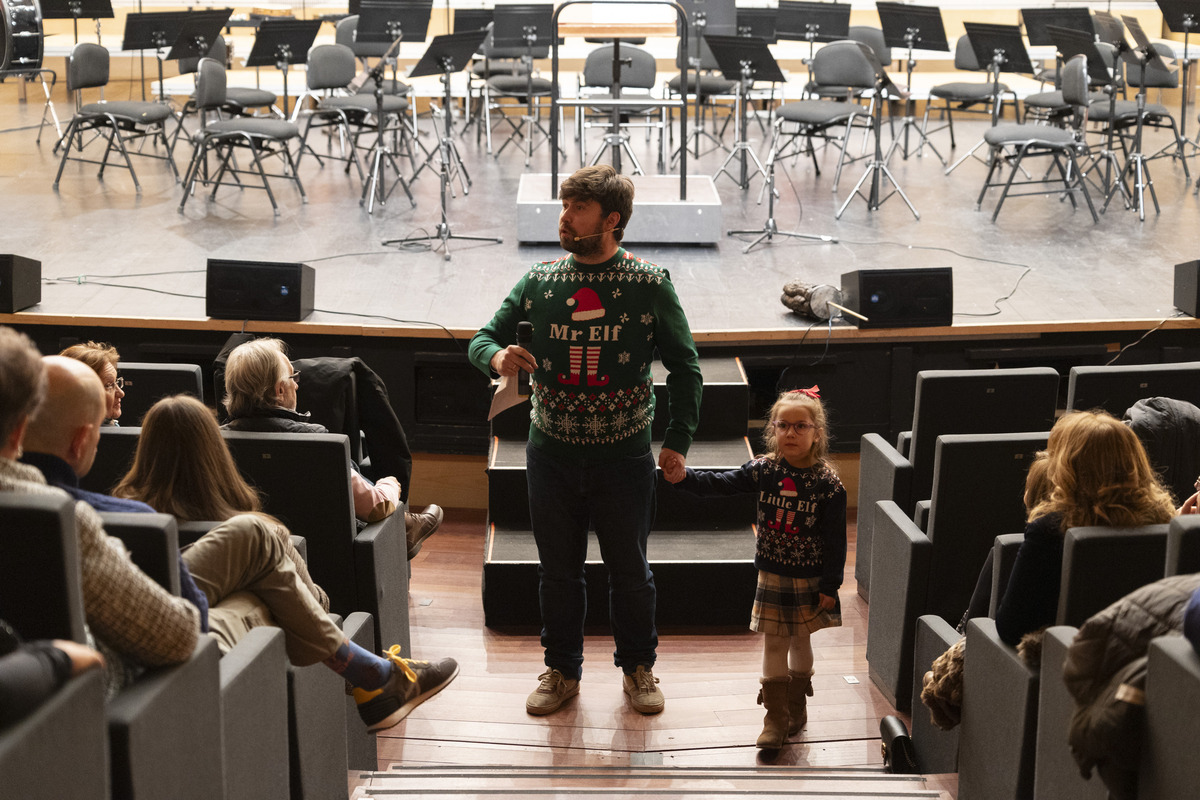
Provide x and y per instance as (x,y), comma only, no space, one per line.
(1135,164)
(381,154)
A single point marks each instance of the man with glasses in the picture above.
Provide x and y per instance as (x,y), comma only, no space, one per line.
(261,395)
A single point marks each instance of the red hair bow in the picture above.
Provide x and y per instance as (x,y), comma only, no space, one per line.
(813,392)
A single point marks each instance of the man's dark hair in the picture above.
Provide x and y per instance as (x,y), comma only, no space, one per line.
(22,380)
(612,190)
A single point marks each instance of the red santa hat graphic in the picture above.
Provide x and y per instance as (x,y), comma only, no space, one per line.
(586,304)
(787,488)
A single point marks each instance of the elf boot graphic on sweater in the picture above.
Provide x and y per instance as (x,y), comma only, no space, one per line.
(586,305)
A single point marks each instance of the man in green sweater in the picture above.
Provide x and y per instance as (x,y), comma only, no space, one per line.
(599,315)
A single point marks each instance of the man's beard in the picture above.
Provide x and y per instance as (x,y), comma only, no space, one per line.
(584,247)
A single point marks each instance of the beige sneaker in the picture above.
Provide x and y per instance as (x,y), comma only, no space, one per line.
(643,691)
(554,690)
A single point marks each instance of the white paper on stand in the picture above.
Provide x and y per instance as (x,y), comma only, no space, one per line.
(506,396)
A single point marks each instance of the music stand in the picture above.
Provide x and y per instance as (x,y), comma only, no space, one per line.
(531,26)
(912,27)
(74,9)
(1037,20)
(1135,163)
(281,43)
(447,54)
(1182,16)
(702,16)
(381,153)
(877,169)
(1003,50)
(812,22)
(743,60)
(758,23)
(154,30)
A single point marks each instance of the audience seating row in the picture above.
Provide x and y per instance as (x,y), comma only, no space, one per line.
(1012,740)
(275,726)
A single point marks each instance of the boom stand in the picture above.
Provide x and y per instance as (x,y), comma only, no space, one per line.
(447,54)
(878,169)
(381,153)
(1135,165)
(745,61)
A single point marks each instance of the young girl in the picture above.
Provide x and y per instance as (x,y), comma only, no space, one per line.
(800,552)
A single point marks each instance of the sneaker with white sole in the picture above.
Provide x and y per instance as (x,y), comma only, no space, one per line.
(554,690)
(412,683)
(643,691)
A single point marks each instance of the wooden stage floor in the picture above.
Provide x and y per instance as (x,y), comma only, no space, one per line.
(109,253)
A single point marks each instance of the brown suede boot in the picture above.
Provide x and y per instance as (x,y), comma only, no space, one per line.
(798,690)
(773,697)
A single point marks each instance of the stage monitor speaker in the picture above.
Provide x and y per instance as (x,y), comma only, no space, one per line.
(900,298)
(267,290)
(1187,287)
(20,283)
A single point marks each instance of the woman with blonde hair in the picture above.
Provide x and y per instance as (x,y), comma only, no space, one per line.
(1098,474)
(102,358)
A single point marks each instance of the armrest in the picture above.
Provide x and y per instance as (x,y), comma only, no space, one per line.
(381,579)
(152,541)
(362,752)
(884,474)
(254,717)
(901,558)
(997,738)
(165,731)
(921,514)
(1170,769)
(1004,555)
(1056,774)
(61,748)
(937,750)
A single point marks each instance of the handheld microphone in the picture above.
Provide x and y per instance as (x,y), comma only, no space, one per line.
(524,339)
(601,233)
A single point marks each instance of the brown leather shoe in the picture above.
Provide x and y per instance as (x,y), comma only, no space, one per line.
(421,526)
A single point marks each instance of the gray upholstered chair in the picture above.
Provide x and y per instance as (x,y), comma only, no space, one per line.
(239,101)
(262,138)
(120,123)
(945,401)
(1011,143)
(844,64)
(1055,772)
(637,80)
(1170,769)
(1116,387)
(1183,545)
(147,383)
(964,95)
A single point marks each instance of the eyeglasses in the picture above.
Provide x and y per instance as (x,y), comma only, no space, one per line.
(295,376)
(119,383)
(782,426)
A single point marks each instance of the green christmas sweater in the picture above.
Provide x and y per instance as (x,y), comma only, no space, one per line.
(596,328)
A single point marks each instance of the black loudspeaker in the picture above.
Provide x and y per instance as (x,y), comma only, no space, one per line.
(899,298)
(1187,287)
(20,283)
(259,290)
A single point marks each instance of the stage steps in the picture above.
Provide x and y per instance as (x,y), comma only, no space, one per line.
(418,782)
(701,550)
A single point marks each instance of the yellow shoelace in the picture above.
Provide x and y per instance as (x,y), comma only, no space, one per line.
(393,654)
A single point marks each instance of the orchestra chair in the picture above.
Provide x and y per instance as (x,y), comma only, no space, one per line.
(638,78)
(239,102)
(120,123)
(966,94)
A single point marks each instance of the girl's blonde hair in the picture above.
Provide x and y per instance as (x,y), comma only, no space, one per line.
(809,400)
(1100,475)
(183,467)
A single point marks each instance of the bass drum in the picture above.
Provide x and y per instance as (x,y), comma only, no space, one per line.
(21,44)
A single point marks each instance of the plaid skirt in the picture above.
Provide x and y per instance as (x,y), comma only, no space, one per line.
(785,606)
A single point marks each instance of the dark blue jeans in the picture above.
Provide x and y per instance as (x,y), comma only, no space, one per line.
(617,497)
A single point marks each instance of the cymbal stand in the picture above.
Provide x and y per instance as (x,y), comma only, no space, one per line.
(447,166)
(381,154)
(910,120)
(877,169)
(1135,165)
(741,147)
(769,229)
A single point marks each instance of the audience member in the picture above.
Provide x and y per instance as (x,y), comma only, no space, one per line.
(261,395)
(249,575)
(32,671)
(1099,475)
(133,619)
(102,358)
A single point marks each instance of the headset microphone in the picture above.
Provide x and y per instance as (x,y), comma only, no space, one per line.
(601,233)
